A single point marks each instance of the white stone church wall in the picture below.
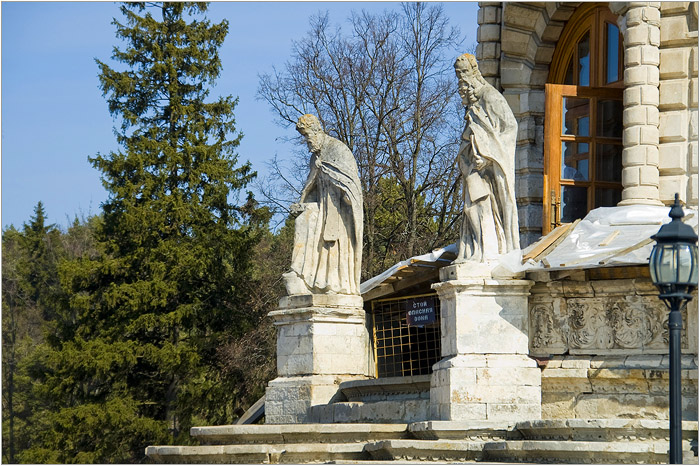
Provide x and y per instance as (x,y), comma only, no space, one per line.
(678,102)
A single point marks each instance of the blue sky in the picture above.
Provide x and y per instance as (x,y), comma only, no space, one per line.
(54,115)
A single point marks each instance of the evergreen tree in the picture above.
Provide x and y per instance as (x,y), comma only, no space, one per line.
(30,289)
(134,360)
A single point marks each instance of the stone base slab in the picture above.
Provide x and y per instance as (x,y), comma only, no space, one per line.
(459,430)
(288,399)
(482,315)
(387,411)
(321,300)
(595,441)
(488,387)
(606,430)
(321,335)
(259,454)
(426,450)
(297,433)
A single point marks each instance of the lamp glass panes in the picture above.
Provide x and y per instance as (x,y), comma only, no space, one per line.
(674,264)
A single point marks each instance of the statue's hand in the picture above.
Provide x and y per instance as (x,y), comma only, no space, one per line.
(296,208)
(480,163)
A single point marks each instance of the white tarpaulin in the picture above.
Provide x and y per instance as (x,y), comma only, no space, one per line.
(433,256)
(606,237)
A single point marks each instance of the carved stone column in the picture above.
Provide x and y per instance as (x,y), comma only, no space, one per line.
(485,372)
(639,23)
(322,341)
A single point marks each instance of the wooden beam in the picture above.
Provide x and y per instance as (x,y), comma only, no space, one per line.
(553,239)
(416,279)
(378,291)
(609,239)
(615,273)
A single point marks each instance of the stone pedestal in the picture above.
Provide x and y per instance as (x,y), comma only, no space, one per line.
(322,340)
(485,372)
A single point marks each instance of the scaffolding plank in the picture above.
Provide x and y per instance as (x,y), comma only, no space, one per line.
(549,242)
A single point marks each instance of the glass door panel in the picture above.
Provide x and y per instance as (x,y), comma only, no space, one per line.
(609,118)
(612,53)
(607,197)
(576,121)
(574,161)
(584,61)
(609,163)
(574,203)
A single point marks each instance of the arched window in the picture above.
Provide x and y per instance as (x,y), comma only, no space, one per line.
(583,118)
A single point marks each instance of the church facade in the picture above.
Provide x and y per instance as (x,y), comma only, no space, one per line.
(568,333)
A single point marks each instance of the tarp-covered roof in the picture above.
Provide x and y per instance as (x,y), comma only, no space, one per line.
(409,268)
(606,237)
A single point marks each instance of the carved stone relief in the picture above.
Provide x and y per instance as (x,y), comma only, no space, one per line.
(601,325)
(587,322)
(546,331)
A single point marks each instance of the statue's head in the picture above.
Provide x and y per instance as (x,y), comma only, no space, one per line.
(309,127)
(470,79)
(308,124)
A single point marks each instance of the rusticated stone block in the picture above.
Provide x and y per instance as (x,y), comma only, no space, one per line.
(673,126)
(673,94)
(673,159)
(669,185)
(674,31)
(674,63)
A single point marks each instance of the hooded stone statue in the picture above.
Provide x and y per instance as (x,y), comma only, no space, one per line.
(327,254)
(487,163)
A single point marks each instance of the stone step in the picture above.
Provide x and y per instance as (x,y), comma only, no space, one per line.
(525,451)
(426,450)
(370,412)
(464,430)
(604,430)
(577,452)
(602,441)
(295,453)
(298,433)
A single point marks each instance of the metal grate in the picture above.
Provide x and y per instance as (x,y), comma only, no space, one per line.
(400,349)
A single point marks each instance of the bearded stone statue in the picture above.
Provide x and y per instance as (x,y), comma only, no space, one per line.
(487,162)
(327,252)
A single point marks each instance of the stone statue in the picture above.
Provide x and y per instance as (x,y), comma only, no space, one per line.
(487,162)
(327,252)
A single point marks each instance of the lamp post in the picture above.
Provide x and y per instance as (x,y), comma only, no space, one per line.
(673,265)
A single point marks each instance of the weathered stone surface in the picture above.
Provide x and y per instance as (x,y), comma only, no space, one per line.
(602,317)
(288,399)
(327,252)
(558,441)
(297,433)
(435,450)
(544,451)
(607,430)
(258,454)
(486,159)
(456,430)
(386,388)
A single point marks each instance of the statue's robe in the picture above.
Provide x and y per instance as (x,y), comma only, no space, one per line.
(327,252)
(490,217)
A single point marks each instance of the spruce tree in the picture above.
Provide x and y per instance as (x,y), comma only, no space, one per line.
(30,291)
(134,358)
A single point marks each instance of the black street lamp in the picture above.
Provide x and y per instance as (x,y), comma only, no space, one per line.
(674,270)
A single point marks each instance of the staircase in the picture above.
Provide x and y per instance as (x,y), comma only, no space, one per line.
(602,441)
